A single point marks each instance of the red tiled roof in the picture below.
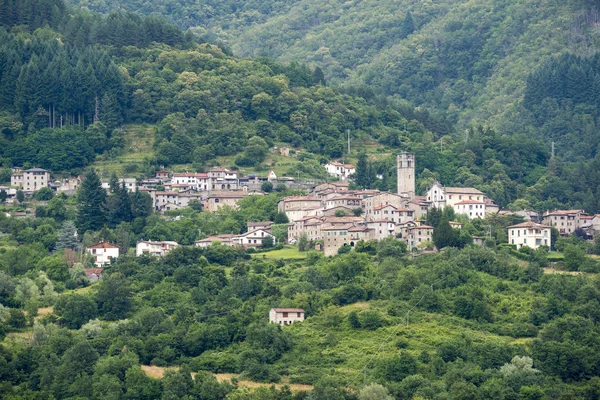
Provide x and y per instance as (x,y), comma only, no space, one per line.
(103,245)
(529,224)
(96,271)
(301,198)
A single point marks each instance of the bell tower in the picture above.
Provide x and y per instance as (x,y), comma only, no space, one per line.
(405,164)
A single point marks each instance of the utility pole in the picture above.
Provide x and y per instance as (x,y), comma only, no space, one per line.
(348,141)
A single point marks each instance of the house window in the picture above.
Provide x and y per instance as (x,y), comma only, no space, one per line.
(298,315)
(285,315)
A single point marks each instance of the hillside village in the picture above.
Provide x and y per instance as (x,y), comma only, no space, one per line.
(330,216)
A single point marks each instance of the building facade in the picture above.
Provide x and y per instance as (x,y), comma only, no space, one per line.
(30,180)
(286,316)
(103,253)
(405,163)
(529,234)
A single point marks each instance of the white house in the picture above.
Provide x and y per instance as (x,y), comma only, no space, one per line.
(158,249)
(342,171)
(286,316)
(529,234)
(253,238)
(103,253)
(130,184)
(471,208)
(272,176)
(441,196)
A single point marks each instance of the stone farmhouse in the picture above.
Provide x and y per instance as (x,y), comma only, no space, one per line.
(30,180)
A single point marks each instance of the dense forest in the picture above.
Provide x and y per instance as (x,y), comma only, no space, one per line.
(468,60)
(467,323)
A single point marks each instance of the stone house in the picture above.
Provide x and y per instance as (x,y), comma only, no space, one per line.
(30,180)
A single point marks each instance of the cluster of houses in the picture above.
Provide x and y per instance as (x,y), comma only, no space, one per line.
(103,253)
(213,189)
(337,216)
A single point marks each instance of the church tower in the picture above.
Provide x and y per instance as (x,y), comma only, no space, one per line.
(405,163)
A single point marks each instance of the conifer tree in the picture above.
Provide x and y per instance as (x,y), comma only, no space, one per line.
(67,237)
(91,200)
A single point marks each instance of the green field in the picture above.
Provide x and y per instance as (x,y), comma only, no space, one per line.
(287,253)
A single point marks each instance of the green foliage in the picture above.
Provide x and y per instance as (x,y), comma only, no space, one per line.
(90,203)
(75,310)
(113,297)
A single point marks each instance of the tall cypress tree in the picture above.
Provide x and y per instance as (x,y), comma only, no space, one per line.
(361,176)
(91,199)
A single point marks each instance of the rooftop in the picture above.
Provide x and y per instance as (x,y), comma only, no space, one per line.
(530,225)
(288,310)
(462,190)
(103,245)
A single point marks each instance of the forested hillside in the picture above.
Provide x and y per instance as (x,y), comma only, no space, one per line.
(469,60)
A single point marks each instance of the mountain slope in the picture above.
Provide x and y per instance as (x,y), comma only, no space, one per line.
(468,59)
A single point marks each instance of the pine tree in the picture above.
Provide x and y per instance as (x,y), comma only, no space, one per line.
(445,236)
(67,237)
(361,176)
(91,200)
(408,25)
(113,183)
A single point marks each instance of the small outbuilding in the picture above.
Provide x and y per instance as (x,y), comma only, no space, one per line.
(286,316)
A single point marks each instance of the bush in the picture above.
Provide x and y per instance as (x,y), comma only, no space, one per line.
(267,187)
(371,320)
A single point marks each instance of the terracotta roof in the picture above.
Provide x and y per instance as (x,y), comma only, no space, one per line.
(423,227)
(215,238)
(563,212)
(343,219)
(337,227)
(260,223)
(96,271)
(338,164)
(254,231)
(384,206)
(234,195)
(158,243)
(358,229)
(343,197)
(103,245)
(470,202)
(462,190)
(288,310)
(301,198)
(307,218)
(529,224)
